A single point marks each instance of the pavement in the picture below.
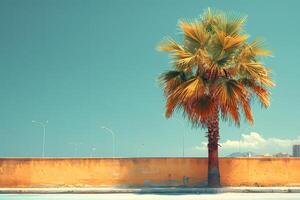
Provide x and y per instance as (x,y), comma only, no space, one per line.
(158,190)
(219,196)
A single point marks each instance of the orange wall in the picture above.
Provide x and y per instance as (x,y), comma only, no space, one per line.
(89,172)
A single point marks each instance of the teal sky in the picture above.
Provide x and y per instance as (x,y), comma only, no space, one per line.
(84,64)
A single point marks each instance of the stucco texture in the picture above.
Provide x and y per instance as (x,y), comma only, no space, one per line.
(145,172)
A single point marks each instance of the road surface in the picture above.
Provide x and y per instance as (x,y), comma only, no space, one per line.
(224,196)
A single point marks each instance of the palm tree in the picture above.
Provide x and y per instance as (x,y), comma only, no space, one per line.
(216,73)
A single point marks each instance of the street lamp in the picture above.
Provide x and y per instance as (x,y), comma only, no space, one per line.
(113,138)
(140,150)
(44,131)
(92,154)
(76,147)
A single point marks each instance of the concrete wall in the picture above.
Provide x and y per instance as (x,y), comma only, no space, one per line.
(126,172)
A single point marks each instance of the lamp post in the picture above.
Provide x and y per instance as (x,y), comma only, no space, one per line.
(43,125)
(76,147)
(140,150)
(92,154)
(113,138)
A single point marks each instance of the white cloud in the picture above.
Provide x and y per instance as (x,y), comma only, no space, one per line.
(255,141)
(252,140)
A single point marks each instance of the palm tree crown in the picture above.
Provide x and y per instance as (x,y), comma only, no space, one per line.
(216,70)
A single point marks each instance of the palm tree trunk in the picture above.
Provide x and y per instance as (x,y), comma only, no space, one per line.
(213,160)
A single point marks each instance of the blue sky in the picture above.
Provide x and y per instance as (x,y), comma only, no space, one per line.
(84,64)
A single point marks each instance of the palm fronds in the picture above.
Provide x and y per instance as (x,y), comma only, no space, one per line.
(216,69)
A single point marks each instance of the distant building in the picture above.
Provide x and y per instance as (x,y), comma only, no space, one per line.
(281,155)
(250,154)
(266,155)
(296,150)
(242,154)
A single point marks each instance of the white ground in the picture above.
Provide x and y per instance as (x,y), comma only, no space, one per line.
(224,196)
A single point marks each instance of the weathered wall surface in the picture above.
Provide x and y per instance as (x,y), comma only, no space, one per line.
(126,172)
